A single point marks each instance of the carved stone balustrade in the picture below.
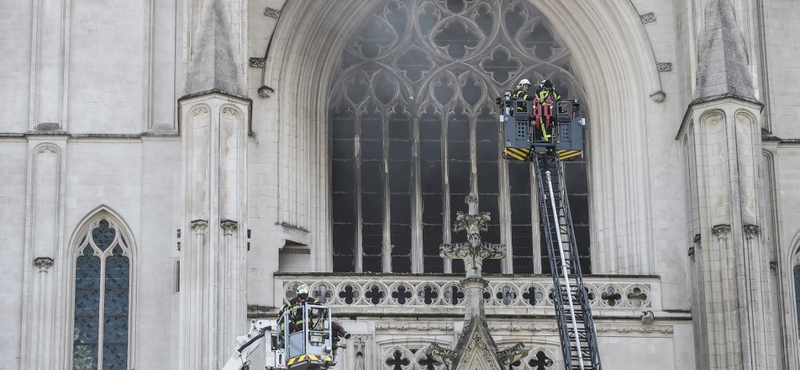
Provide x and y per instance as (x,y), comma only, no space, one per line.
(441,294)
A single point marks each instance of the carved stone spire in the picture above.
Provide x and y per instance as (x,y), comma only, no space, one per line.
(476,348)
(214,65)
(723,68)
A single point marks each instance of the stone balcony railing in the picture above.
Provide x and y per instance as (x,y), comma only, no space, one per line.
(613,296)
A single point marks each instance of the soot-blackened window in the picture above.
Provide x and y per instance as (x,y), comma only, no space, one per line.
(413,126)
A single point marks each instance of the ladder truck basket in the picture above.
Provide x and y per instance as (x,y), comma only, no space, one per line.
(308,344)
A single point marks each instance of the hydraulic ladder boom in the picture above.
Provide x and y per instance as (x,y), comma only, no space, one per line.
(573,309)
(518,124)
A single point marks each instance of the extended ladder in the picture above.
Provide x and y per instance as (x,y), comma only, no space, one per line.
(573,310)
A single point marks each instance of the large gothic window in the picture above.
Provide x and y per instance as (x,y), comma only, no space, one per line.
(796,274)
(102,299)
(414,131)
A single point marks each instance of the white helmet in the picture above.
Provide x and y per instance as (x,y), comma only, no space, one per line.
(302,289)
(524,82)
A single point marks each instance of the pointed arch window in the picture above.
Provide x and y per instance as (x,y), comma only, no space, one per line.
(413,130)
(796,275)
(102,299)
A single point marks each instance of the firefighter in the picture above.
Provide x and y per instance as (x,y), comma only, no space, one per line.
(522,90)
(547,91)
(295,308)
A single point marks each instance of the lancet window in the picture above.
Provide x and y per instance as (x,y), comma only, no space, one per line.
(413,130)
(102,299)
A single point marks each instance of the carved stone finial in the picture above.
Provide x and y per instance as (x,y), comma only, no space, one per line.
(512,354)
(721,231)
(697,239)
(229,226)
(43,263)
(474,251)
(440,354)
(773,267)
(750,231)
(690,252)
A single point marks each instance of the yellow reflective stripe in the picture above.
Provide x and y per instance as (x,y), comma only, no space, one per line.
(302,358)
(567,154)
(517,153)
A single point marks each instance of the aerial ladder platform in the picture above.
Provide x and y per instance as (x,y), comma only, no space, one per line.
(522,123)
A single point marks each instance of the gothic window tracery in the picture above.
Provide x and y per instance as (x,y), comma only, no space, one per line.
(413,132)
(796,275)
(102,299)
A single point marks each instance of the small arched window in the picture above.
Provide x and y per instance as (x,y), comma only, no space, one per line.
(102,298)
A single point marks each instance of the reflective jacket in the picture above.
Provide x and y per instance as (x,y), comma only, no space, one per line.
(295,309)
(543,94)
(520,93)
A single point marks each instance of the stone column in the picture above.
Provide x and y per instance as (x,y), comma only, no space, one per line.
(41,342)
(722,135)
(736,330)
(49,56)
(213,307)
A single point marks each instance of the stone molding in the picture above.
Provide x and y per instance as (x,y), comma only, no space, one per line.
(265,92)
(751,231)
(349,291)
(43,263)
(664,67)
(658,97)
(256,62)
(647,17)
(651,329)
(199,226)
(229,226)
(407,326)
(721,231)
(272,13)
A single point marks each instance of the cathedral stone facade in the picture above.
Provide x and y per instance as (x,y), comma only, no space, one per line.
(172,169)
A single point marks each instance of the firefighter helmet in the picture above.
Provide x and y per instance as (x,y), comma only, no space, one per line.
(302,289)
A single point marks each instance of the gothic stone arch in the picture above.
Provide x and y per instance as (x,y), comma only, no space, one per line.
(611,54)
